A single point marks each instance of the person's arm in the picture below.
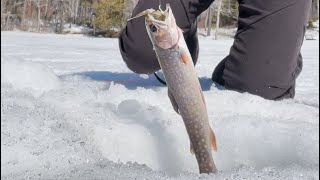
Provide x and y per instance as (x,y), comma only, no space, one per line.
(135,46)
(195,7)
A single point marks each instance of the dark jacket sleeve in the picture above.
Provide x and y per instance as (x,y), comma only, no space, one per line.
(196,7)
(135,45)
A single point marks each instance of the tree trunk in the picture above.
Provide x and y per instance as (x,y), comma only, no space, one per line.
(127,10)
(76,12)
(218,19)
(14,7)
(209,21)
(24,13)
(315,10)
(85,14)
(71,11)
(60,17)
(94,25)
(80,15)
(46,10)
(205,24)
(318,8)
(39,16)
(7,26)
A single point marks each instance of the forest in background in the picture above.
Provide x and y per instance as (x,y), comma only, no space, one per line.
(105,17)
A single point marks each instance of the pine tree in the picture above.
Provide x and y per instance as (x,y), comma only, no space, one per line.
(108,14)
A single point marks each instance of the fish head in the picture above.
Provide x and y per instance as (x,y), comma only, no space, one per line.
(162,28)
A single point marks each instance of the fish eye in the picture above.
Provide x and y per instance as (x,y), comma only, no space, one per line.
(153,28)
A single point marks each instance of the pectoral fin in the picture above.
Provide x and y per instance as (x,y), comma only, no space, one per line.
(184,56)
(173,102)
(213,140)
(191,149)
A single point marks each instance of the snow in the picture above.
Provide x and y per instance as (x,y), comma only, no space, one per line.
(71,109)
(13,70)
(76,29)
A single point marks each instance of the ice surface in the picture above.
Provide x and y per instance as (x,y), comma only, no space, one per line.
(28,76)
(70,109)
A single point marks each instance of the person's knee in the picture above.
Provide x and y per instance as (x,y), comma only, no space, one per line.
(265,91)
(265,58)
(217,75)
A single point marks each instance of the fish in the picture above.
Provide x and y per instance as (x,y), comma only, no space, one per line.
(184,89)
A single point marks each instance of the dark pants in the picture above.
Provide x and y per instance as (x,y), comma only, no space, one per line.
(265,58)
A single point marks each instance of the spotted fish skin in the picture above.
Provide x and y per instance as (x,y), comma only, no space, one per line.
(184,88)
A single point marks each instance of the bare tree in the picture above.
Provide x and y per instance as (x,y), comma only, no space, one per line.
(24,12)
(38,5)
(60,12)
(218,18)
(315,10)
(4,6)
(209,20)
(72,9)
(127,10)
(224,11)
(76,7)
(46,10)
(4,13)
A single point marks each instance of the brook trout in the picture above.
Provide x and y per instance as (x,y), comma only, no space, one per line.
(184,88)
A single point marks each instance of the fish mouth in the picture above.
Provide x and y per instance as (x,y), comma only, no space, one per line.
(163,27)
(159,18)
